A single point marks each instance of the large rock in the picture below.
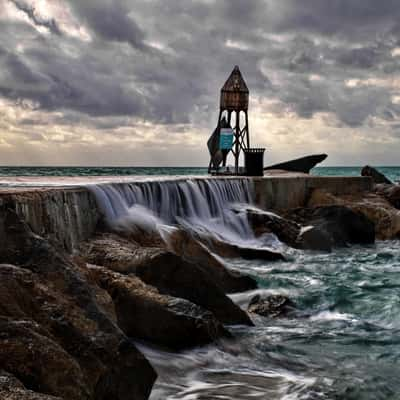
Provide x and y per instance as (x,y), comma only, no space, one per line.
(166,271)
(74,320)
(41,364)
(228,250)
(303,164)
(288,231)
(193,251)
(342,224)
(376,176)
(390,192)
(376,208)
(12,389)
(144,313)
(272,306)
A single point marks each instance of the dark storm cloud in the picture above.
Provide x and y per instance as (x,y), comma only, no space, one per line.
(110,20)
(358,18)
(32,14)
(165,61)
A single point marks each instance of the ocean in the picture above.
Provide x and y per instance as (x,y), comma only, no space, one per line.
(342,343)
(392,172)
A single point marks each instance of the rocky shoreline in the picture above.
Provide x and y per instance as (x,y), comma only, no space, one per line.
(69,320)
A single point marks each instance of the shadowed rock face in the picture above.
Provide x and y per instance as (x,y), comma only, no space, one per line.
(195,250)
(58,333)
(303,164)
(144,313)
(167,272)
(27,351)
(376,208)
(390,192)
(342,224)
(376,176)
(228,250)
(288,231)
(12,389)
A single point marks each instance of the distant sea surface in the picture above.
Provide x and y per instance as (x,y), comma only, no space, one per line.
(392,173)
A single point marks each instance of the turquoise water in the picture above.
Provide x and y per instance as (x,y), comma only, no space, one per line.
(392,172)
(343,342)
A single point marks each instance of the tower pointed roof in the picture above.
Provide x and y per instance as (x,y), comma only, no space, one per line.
(235,82)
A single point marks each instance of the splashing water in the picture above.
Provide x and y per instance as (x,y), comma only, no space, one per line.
(342,343)
(200,205)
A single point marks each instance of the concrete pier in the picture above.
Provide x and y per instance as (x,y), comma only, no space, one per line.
(64,210)
(290,190)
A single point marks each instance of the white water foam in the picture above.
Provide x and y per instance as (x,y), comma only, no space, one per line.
(202,205)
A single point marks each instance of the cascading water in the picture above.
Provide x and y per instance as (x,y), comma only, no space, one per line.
(202,205)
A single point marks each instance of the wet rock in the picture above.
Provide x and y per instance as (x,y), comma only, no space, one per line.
(144,313)
(194,251)
(12,389)
(111,250)
(376,176)
(342,224)
(40,363)
(268,222)
(303,164)
(390,192)
(167,272)
(288,231)
(272,306)
(314,238)
(229,250)
(376,208)
(49,288)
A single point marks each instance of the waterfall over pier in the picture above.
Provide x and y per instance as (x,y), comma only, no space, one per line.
(199,203)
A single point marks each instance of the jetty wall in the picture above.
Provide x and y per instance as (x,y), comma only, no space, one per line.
(66,216)
(69,216)
(285,192)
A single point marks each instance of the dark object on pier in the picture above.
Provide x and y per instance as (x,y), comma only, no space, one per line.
(376,176)
(303,164)
(234,104)
(254,161)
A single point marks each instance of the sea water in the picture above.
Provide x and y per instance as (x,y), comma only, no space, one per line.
(391,172)
(343,342)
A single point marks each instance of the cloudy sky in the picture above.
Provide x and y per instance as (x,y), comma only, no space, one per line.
(136,82)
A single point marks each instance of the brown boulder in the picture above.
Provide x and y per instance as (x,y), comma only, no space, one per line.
(288,231)
(343,225)
(51,289)
(144,313)
(228,250)
(185,245)
(12,389)
(391,193)
(314,238)
(167,272)
(40,363)
(376,208)
(272,306)
(192,250)
(376,176)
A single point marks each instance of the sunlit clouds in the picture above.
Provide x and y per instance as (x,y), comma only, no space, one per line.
(137,82)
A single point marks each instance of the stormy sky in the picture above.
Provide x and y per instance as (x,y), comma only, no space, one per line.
(136,82)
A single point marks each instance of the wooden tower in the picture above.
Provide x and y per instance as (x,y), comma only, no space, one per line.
(234,106)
